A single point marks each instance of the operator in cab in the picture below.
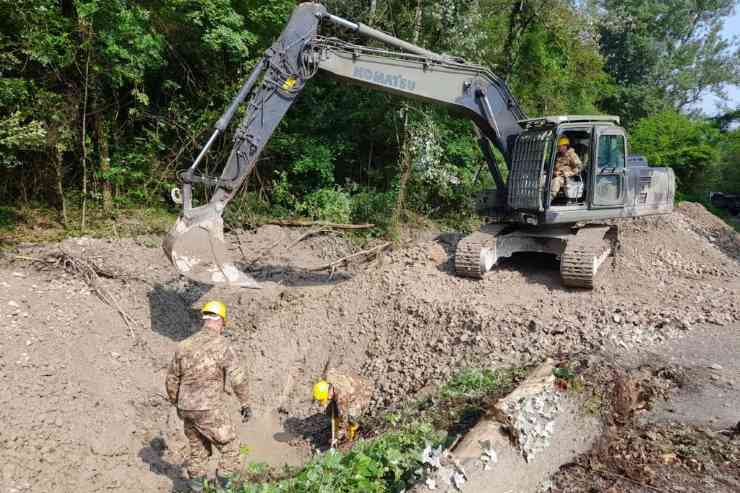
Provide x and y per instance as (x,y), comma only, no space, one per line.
(567,164)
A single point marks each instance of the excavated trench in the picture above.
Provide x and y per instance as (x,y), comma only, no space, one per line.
(84,399)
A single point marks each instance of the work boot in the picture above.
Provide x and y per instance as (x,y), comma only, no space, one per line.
(224,482)
(197,484)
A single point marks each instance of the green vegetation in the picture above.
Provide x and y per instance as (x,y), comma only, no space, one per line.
(393,459)
(102,101)
(474,383)
(388,463)
(690,147)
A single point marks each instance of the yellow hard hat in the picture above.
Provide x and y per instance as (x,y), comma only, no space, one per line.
(321,391)
(215,308)
(564,141)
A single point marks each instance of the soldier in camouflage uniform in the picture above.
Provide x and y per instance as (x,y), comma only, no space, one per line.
(567,164)
(346,397)
(196,382)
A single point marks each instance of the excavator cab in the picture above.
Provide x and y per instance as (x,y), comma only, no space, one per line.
(601,146)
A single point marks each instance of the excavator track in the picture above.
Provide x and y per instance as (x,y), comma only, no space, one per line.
(476,253)
(584,254)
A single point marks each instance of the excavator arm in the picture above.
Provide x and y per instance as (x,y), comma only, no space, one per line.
(196,244)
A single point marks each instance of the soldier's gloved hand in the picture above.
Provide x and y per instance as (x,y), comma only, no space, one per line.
(246,413)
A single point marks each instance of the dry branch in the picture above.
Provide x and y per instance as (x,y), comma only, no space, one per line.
(90,273)
(304,236)
(281,222)
(344,260)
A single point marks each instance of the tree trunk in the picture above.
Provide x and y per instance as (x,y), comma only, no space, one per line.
(83,134)
(102,135)
(406,157)
(55,151)
(373,9)
(406,161)
(59,175)
(417,22)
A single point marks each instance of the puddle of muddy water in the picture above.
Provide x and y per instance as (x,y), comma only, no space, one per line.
(268,442)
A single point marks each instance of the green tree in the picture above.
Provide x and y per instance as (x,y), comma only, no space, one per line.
(729,167)
(689,146)
(664,54)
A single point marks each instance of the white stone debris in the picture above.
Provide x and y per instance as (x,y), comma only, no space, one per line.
(530,411)
(488,457)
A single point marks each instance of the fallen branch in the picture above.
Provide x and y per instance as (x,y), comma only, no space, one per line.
(323,224)
(313,232)
(344,260)
(633,481)
(614,475)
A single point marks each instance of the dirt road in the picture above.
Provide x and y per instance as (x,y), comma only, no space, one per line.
(81,398)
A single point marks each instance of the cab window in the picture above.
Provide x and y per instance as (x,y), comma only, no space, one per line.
(611,151)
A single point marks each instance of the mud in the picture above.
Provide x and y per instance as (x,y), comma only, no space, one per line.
(82,401)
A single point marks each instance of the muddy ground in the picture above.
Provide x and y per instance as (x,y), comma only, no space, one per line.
(81,392)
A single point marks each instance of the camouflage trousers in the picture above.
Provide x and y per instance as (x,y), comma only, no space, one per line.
(205,430)
(556,184)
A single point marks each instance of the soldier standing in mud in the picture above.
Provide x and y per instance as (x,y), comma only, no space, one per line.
(346,397)
(196,381)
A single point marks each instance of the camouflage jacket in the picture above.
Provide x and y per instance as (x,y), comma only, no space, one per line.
(353,393)
(202,365)
(568,165)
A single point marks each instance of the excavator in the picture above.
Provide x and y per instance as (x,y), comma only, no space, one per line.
(521,214)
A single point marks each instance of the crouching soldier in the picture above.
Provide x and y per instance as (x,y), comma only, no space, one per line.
(346,397)
(196,382)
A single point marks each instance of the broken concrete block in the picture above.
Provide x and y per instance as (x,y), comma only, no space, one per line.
(529,412)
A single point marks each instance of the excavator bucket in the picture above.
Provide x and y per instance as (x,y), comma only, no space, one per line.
(197,249)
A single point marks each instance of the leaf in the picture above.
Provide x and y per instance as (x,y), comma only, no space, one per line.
(564,373)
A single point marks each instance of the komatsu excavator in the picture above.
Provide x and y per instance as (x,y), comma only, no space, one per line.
(521,214)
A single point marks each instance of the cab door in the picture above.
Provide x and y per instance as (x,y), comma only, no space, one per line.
(609,170)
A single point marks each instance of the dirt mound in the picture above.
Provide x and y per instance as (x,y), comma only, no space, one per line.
(83,400)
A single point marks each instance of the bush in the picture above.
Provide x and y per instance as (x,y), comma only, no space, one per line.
(375,208)
(326,204)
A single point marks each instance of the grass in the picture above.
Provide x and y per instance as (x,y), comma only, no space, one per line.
(475,383)
(457,405)
(34,224)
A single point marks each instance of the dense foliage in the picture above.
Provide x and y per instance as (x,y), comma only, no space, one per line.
(101,101)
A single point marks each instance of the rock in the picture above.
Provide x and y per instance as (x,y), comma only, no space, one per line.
(715,366)
(530,410)
(535,325)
